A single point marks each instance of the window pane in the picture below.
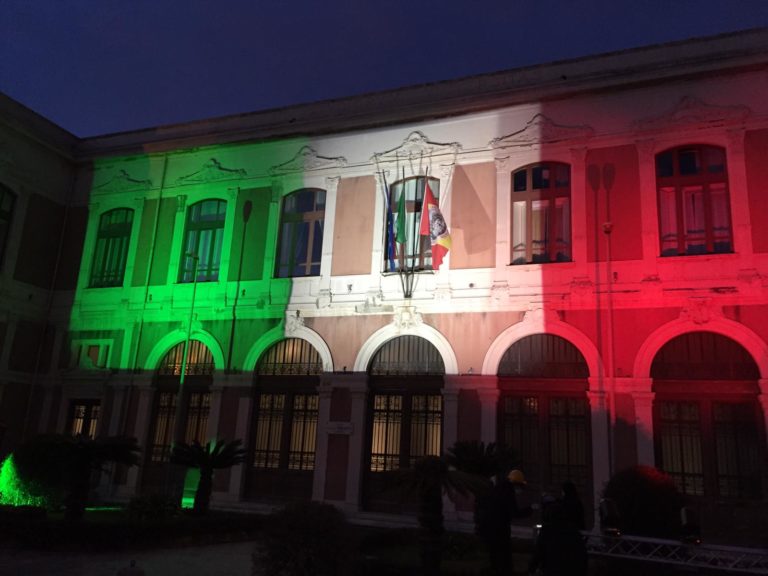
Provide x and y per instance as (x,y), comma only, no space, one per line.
(665,164)
(540,175)
(690,162)
(721,221)
(519,255)
(203,240)
(385,440)
(426,425)
(563,231)
(301,455)
(693,218)
(668,221)
(737,451)
(519,181)
(269,428)
(300,244)
(539,230)
(680,439)
(111,249)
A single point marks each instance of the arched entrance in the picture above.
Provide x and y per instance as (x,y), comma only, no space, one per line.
(281,450)
(405,416)
(708,426)
(192,409)
(544,413)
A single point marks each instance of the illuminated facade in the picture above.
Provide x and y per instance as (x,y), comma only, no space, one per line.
(604,302)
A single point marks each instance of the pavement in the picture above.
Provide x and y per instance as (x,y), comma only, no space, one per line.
(216,560)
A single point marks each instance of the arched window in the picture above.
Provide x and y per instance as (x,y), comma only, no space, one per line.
(195,403)
(285,421)
(203,237)
(405,414)
(694,205)
(405,248)
(707,428)
(300,245)
(541,213)
(7,200)
(543,411)
(111,250)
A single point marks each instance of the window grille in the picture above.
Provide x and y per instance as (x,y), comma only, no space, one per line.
(543,356)
(164,422)
(301,455)
(680,443)
(703,356)
(269,430)
(199,360)
(290,357)
(407,355)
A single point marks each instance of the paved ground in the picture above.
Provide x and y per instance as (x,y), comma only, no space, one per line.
(218,560)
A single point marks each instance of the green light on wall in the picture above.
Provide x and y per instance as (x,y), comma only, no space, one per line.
(14,491)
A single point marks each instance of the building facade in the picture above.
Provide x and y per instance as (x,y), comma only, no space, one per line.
(263,277)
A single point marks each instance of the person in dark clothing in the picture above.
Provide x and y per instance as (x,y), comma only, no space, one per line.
(494,512)
(572,505)
(559,548)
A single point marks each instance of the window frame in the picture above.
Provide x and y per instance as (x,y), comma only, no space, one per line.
(115,239)
(289,230)
(195,227)
(678,184)
(414,255)
(552,220)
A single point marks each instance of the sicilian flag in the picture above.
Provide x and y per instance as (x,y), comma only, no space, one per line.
(433,225)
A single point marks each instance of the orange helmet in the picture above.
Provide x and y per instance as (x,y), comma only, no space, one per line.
(516,477)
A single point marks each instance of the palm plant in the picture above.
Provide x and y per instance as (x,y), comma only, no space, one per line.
(64,464)
(480,459)
(430,478)
(215,455)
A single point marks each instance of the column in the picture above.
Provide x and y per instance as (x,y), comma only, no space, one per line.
(600,445)
(644,427)
(489,401)
(214,415)
(325,392)
(358,389)
(242,427)
(450,393)
(141,430)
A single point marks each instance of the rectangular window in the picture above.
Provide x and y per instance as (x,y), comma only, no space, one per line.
(300,246)
(84,418)
(568,440)
(387,427)
(269,430)
(198,411)
(111,250)
(7,200)
(680,445)
(406,249)
(737,453)
(203,239)
(301,455)
(426,425)
(164,422)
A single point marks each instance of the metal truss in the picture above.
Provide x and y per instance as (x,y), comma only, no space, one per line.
(694,555)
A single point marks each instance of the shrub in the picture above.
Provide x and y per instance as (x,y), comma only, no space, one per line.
(152,507)
(306,538)
(647,502)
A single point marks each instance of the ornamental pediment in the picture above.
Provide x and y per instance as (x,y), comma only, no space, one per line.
(542,130)
(122,181)
(211,171)
(693,112)
(306,160)
(415,148)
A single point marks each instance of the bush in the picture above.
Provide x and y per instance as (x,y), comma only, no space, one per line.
(309,538)
(152,507)
(647,502)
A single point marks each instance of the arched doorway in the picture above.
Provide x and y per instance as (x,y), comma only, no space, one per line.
(192,409)
(544,414)
(281,450)
(708,426)
(405,416)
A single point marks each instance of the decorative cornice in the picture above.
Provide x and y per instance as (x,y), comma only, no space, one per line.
(416,147)
(211,171)
(542,130)
(306,160)
(123,182)
(693,112)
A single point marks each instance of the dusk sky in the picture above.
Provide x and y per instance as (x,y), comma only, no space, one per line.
(100,66)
